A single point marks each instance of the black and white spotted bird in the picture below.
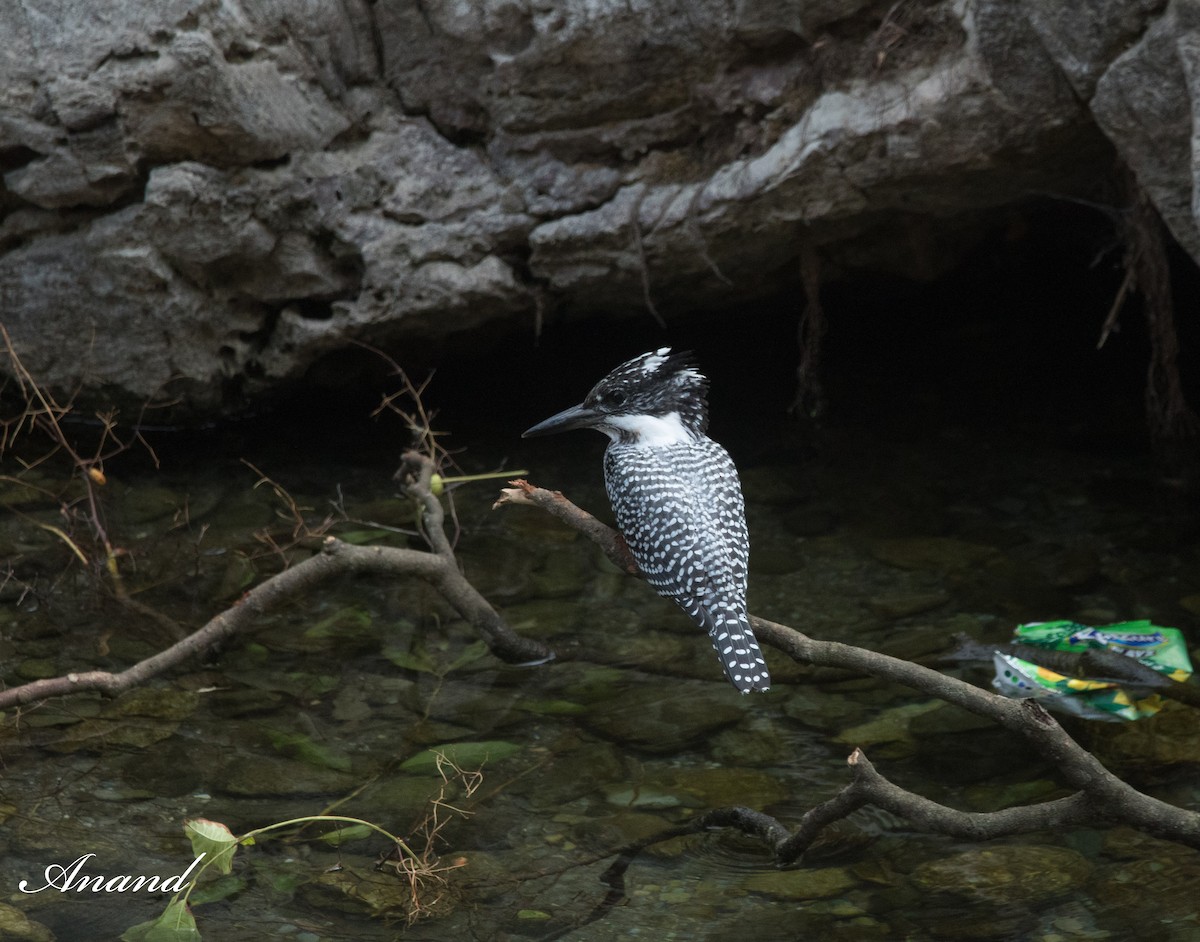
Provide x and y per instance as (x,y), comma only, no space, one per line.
(676,496)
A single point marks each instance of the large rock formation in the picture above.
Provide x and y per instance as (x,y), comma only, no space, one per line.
(200,200)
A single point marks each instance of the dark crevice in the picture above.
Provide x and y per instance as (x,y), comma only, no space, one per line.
(377,43)
(356,134)
(256,340)
(127,191)
(266,163)
(15,156)
(466,134)
(313,309)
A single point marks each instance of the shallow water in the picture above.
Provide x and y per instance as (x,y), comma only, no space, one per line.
(888,536)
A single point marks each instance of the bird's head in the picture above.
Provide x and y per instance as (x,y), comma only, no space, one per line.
(655,399)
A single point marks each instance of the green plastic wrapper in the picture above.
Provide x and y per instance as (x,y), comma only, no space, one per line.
(1160,648)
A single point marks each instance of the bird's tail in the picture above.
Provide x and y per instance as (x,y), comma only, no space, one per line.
(735,644)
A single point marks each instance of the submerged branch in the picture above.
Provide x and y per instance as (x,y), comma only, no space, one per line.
(1101,797)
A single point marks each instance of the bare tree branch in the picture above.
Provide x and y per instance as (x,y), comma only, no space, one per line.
(553,502)
(1101,797)
(439,568)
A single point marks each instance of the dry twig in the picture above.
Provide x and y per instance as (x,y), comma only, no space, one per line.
(43,413)
(424,871)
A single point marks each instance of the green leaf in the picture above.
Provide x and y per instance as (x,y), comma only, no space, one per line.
(309,685)
(470,655)
(352,832)
(411,660)
(345,621)
(176,924)
(552,707)
(277,877)
(536,914)
(218,889)
(418,658)
(212,839)
(299,746)
(466,755)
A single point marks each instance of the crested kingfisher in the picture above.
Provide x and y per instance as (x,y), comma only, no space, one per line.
(676,496)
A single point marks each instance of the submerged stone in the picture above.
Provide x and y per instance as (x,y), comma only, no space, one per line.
(137,719)
(946,718)
(719,787)
(37,668)
(358,889)
(803,884)
(147,503)
(562,575)
(577,767)
(890,726)
(17,927)
(1017,874)
(1165,739)
(637,796)
(941,554)
(268,776)
(616,830)
(759,745)
(903,606)
(400,798)
(170,769)
(651,719)
(237,702)
(993,795)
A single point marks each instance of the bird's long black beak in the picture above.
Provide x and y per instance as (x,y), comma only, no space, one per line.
(575,417)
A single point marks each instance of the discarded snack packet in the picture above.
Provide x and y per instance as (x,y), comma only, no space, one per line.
(1162,649)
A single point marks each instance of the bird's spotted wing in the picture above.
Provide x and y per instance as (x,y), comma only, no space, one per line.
(680,510)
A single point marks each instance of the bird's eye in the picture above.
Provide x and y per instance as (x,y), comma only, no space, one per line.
(613,400)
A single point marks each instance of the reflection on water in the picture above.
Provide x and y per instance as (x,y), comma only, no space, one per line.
(892,544)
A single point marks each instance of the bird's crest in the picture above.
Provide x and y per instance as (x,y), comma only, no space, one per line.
(655,384)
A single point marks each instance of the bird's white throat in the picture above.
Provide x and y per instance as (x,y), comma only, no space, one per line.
(648,430)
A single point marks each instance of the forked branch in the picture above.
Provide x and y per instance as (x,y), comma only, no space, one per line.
(1100,797)
(437,567)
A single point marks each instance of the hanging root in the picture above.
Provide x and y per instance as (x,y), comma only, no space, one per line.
(810,332)
(1174,427)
